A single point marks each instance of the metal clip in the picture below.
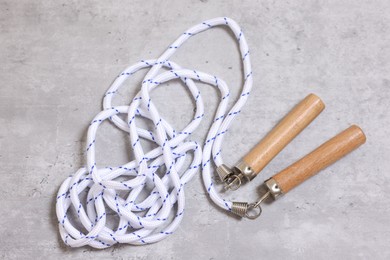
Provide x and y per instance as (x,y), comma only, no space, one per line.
(273,188)
(244,209)
(224,172)
(250,210)
(239,172)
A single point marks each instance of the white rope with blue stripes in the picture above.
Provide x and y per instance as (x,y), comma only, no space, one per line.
(143,221)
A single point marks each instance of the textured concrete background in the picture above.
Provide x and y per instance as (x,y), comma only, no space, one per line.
(58,58)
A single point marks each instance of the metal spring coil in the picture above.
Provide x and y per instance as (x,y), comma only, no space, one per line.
(240,208)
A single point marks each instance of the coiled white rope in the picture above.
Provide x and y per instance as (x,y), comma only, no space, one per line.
(143,221)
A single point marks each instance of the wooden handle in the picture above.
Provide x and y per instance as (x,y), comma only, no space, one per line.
(320,158)
(290,126)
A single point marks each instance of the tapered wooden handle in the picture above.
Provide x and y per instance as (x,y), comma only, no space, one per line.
(320,158)
(290,126)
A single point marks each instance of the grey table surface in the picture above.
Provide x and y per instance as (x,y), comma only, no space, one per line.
(59,57)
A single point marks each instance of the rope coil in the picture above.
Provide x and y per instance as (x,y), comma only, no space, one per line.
(83,221)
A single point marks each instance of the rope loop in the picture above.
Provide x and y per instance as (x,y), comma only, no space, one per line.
(148,205)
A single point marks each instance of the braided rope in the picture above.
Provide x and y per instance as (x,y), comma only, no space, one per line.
(144,221)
